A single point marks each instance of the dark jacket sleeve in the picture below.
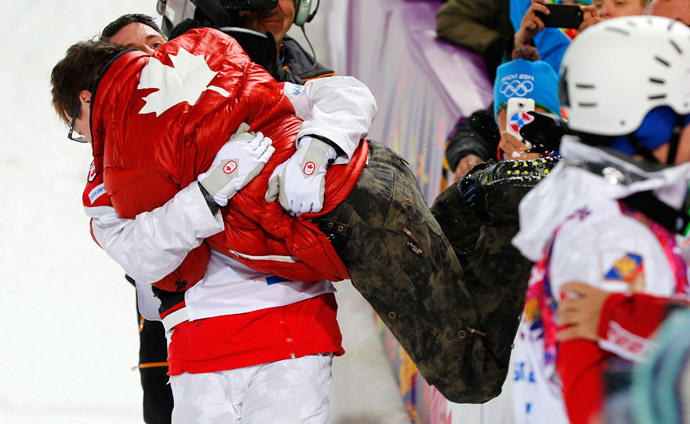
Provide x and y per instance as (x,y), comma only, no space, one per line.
(469,23)
(476,135)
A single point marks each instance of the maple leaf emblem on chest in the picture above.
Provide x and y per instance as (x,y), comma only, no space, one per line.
(185,81)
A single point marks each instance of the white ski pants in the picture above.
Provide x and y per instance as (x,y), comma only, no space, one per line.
(291,391)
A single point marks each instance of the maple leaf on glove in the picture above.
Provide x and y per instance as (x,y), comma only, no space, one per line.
(240,159)
(299,182)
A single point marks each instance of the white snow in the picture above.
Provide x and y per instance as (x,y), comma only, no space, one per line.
(69,338)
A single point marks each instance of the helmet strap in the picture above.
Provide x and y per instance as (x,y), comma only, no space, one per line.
(641,149)
(675,139)
(675,221)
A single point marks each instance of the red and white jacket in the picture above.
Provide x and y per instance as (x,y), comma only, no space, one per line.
(231,295)
(157,122)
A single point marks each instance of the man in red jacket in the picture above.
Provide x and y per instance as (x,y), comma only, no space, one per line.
(315,303)
(374,217)
(140,31)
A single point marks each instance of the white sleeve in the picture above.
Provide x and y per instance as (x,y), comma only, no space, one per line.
(608,252)
(155,243)
(338,108)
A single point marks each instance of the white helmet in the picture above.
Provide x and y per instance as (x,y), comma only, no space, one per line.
(618,70)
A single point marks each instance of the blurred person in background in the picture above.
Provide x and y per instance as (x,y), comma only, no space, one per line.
(616,8)
(481,26)
(528,81)
(660,385)
(474,140)
(633,383)
(605,215)
(678,10)
(484,135)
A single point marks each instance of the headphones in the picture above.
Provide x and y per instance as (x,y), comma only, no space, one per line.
(303,13)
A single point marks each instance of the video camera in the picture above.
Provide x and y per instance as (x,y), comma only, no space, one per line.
(180,16)
(217,12)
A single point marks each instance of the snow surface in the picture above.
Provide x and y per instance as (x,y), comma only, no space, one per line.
(69,338)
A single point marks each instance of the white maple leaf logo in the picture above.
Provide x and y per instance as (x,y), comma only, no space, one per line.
(184,82)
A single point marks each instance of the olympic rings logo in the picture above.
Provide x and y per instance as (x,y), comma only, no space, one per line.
(516,88)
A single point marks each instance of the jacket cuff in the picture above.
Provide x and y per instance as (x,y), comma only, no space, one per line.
(611,304)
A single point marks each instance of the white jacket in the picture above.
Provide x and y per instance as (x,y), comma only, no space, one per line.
(596,243)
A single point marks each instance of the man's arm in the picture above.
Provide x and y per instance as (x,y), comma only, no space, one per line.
(621,323)
(155,243)
(337,113)
(469,23)
(477,135)
(339,109)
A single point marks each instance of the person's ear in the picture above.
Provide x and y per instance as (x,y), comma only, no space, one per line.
(85,98)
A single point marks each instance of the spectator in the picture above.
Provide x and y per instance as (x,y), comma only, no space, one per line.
(678,10)
(474,140)
(550,42)
(528,80)
(616,8)
(477,139)
(598,217)
(482,26)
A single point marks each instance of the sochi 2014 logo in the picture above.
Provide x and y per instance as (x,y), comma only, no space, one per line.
(519,120)
(230,167)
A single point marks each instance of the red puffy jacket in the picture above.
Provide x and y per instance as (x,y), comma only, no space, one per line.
(157,123)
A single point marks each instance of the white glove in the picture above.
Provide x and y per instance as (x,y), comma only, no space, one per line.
(300,180)
(240,159)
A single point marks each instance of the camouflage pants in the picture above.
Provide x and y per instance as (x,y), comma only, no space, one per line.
(403,264)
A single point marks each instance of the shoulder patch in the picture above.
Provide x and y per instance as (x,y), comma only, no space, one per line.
(619,265)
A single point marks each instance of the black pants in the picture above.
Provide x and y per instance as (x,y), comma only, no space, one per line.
(403,264)
(153,367)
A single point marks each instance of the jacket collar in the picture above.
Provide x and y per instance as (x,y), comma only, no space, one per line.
(591,176)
